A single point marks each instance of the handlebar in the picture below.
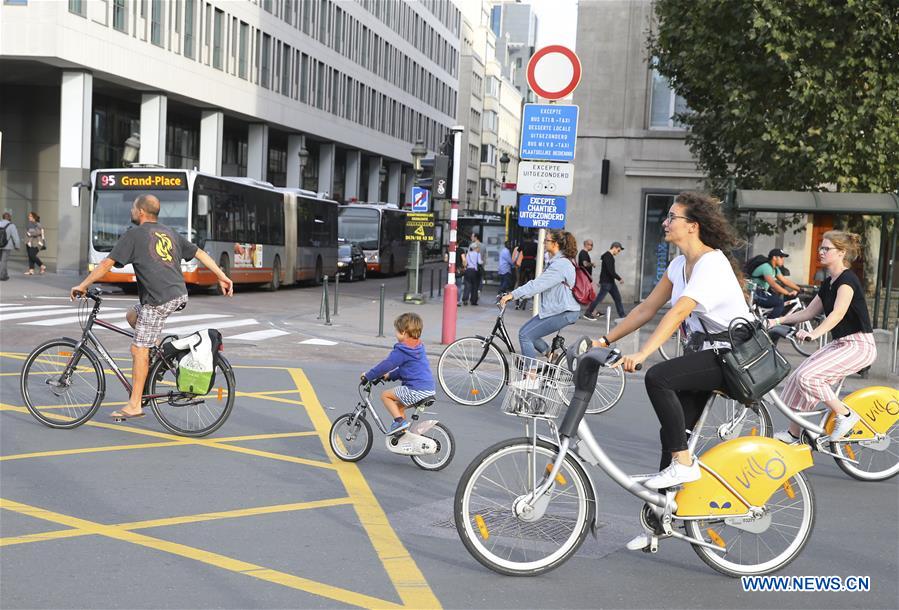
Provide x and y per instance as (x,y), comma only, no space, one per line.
(782,331)
(92,293)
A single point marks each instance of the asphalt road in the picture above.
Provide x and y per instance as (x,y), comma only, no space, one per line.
(260,515)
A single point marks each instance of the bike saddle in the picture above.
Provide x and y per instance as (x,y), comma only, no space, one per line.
(423,403)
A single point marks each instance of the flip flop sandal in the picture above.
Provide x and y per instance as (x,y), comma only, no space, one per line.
(122,416)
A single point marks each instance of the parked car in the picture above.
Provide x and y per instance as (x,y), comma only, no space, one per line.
(351,262)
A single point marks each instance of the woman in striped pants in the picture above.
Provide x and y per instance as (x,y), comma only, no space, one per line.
(842,299)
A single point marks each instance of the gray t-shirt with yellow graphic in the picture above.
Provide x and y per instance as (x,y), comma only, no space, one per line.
(156,251)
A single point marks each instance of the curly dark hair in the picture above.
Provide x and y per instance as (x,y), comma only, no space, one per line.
(566,241)
(715,230)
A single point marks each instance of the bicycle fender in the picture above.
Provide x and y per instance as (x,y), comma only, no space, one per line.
(754,466)
(878,406)
(593,490)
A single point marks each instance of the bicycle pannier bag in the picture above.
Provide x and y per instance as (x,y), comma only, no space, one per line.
(753,366)
(196,369)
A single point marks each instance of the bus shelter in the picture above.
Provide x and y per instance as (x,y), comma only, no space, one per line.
(885,205)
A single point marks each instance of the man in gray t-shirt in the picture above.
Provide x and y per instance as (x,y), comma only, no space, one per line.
(156,251)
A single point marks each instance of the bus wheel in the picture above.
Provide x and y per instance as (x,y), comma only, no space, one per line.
(276,275)
(319,276)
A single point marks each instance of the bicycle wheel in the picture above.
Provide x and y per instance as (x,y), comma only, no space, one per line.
(878,460)
(609,389)
(522,545)
(728,419)
(765,544)
(189,414)
(463,379)
(350,443)
(673,346)
(56,400)
(446,449)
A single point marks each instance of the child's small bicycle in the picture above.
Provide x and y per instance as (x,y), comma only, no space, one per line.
(429,443)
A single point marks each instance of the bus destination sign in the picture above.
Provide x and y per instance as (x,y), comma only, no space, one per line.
(135,181)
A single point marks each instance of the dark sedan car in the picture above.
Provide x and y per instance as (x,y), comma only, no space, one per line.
(351,262)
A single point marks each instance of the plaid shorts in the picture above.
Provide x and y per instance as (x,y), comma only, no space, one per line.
(408,396)
(151,319)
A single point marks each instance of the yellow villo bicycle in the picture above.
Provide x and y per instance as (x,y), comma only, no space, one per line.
(525,505)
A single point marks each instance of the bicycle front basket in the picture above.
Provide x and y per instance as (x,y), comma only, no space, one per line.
(536,388)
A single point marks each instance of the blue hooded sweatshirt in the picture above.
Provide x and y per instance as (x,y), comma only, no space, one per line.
(409,364)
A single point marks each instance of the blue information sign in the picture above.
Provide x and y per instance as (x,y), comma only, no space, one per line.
(549,132)
(421,199)
(541,211)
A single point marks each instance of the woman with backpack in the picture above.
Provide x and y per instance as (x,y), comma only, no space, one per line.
(558,308)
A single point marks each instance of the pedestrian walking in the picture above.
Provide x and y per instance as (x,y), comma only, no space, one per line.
(35,241)
(607,278)
(476,240)
(583,258)
(527,266)
(506,281)
(9,240)
(472,266)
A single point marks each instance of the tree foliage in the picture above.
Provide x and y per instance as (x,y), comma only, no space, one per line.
(789,95)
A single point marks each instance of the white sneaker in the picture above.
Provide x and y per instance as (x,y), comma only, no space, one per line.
(844,425)
(528,383)
(675,474)
(638,543)
(785,436)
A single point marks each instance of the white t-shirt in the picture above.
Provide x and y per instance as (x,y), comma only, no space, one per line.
(715,289)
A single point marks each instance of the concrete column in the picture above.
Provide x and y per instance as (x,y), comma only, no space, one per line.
(353,174)
(76,99)
(407,188)
(394,174)
(212,123)
(374,180)
(326,156)
(153,120)
(294,144)
(257,151)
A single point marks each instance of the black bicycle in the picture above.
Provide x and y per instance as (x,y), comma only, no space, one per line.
(63,381)
(473,370)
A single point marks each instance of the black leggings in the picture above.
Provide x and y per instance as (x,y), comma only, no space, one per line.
(33,258)
(678,390)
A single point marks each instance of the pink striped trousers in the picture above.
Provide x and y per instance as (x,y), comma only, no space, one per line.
(812,381)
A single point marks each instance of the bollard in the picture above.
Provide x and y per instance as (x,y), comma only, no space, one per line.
(337,290)
(327,307)
(381,315)
(608,318)
(431,292)
(321,307)
(440,283)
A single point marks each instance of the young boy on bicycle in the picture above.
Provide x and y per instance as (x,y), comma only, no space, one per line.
(407,362)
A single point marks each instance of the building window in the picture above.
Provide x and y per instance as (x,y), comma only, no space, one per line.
(177,4)
(492,86)
(77,7)
(265,61)
(488,154)
(156,23)
(285,71)
(242,50)
(189,28)
(490,121)
(664,104)
(218,26)
(304,80)
(119,15)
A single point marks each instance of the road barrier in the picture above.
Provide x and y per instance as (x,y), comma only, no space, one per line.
(381,314)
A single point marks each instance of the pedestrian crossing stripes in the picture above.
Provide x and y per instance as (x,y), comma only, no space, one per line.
(61,316)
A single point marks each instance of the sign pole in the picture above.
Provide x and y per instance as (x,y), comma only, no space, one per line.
(451,292)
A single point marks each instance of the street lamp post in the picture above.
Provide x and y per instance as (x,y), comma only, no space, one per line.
(413,277)
(132,148)
(504,167)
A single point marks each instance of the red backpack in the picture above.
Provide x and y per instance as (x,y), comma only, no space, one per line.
(583,290)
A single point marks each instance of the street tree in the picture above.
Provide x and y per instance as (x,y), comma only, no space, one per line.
(786,95)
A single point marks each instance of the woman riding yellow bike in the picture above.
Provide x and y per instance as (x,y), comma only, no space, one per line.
(703,286)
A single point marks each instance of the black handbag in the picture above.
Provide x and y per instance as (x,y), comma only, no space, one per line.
(753,366)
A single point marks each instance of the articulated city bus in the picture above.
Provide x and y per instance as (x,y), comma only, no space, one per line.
(380,230)
(250,228)
(312,229)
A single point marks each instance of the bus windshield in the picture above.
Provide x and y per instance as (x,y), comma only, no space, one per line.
(359,226)
(112,214)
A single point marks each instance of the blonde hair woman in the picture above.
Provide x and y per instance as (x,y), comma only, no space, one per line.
(842,299)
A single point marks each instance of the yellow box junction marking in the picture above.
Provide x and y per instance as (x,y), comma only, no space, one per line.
(408,580)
